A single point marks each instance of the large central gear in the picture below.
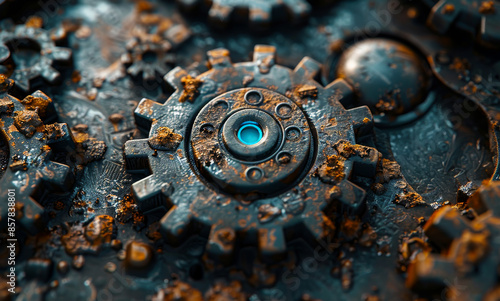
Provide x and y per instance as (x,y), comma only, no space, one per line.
(270,191)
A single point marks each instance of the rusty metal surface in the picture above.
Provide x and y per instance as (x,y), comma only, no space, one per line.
(374,179)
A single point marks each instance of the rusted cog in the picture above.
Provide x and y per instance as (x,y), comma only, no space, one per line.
(29,171)
(206,180)
(469,270)
(44,54)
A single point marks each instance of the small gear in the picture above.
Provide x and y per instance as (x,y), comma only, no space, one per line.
(235,151)
(480,17)
(260,12)
(150,49)
(469,270)
(30,171)
(28,52)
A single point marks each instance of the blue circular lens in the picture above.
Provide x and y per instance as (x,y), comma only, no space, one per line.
(250,133)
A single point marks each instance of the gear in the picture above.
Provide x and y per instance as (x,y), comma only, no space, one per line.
(469,270)
(28,52)
(480,17)
(272,190)
(260,12)
(29,166)
(149,51)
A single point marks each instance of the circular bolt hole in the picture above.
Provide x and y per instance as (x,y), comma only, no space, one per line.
(254,173)
(293,133)
(284,158)
(207,129)
(254,98)
(284,110)
(250,133)
(221,106)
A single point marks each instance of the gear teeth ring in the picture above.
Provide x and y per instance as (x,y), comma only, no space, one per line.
(29,169)
(15,37)
(260,12)
(269,220)
(472,249)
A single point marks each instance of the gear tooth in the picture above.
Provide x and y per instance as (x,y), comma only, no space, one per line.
(341,87)
(64,140)
(352,198)
(137,154)
(148,74)
(135,68)
(50,74)
(220,14)
(430,273)
(62,54)
(32,216)
(22,82)
(308,68)
(174,77)
(152,195)
(221,242)
(176,223)
(263,53)
(445,225)
(219,58)
(362,121)
(145,113)
(441,19)
(272,245)
(260,15)
(318,226)
(366,165)
(486,198)
(56,174)
(177,35)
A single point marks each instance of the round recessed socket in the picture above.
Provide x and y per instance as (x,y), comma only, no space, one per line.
(221,105)
(254,173)
(284,157)
(284,110)
(251,134)
(254,97)
(293,133)
(207,129)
